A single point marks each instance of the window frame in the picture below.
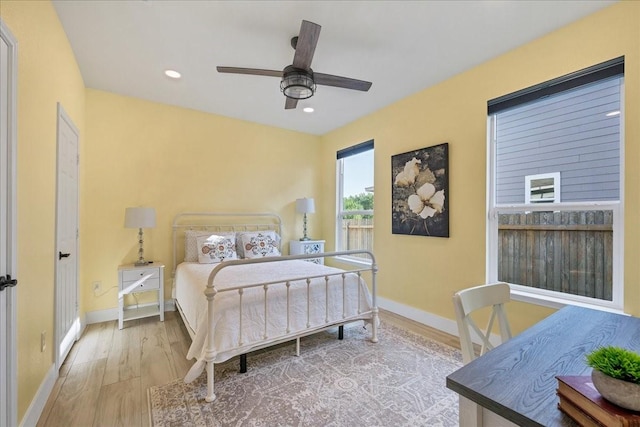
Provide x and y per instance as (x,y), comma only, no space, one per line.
(545,297)
(340,211)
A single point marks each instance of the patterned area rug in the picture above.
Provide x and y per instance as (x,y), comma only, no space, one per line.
(400,381)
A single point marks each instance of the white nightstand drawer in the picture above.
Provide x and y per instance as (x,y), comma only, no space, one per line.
(133,275)
(150,284)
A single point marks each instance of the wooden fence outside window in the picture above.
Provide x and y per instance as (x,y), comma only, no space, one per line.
(570,252)
(358,234)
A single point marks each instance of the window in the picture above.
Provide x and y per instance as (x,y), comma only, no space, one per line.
(354,201)
(542,188)
(559,138)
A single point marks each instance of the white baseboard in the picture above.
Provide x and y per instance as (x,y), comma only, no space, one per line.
(441,323)
(109,314)
(100,316)
(424,317)
(34,410)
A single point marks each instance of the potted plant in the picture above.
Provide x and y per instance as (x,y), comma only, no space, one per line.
(616,375)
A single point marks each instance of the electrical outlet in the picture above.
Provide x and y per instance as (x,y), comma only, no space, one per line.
(97,286)
(43,340)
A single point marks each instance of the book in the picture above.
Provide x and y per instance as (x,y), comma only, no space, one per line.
(580,391)
(577,414)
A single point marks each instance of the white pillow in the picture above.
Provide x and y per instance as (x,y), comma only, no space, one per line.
(216,248)
(191,247)
(259,244)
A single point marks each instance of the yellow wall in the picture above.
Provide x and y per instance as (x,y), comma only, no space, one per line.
(47,74)
(147,154)
(424,272)
(141,153)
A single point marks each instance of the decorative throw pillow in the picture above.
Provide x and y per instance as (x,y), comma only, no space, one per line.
(260,244)
(191,247)
(216,248)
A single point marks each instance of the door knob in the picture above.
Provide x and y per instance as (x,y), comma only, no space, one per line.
(6,282)
(61,255)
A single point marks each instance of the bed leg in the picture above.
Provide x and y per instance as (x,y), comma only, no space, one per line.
(298,346)
(211,396)
(341,332)
(374,325)
(243,363)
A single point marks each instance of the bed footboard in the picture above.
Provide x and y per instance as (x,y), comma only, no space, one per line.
(351,300)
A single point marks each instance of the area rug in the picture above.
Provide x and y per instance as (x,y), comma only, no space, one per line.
(399,381)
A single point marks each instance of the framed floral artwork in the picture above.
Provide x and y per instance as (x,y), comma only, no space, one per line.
(420,192)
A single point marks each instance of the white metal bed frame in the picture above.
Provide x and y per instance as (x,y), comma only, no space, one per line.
(256,222)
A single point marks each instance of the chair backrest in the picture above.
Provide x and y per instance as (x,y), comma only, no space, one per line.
(469,300)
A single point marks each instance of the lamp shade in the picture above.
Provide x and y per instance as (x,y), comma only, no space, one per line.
(305,205)
(140,218)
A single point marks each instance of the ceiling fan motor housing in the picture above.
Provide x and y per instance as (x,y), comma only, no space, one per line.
(297,83)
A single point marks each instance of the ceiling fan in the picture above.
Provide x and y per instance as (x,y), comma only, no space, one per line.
(298,79)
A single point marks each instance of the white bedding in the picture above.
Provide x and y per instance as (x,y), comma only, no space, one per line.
(191,280)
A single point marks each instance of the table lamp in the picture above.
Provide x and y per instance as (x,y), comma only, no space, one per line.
(140,218)
(305,206)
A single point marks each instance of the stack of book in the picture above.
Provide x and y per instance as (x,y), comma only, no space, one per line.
(580,400)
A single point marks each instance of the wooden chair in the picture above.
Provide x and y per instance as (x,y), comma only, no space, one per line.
(469,300)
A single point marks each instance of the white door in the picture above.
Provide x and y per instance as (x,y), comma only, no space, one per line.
(8,291)
(67,320)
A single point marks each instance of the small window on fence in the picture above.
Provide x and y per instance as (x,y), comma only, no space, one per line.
(354,222)
(569,128)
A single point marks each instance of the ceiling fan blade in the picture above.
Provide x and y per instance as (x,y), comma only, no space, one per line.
(306,45)
(290,103)
(251,71)
(343,82)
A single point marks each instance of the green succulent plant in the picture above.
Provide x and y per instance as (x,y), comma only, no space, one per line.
(616,362)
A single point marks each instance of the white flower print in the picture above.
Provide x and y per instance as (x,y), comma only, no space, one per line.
(409,174)
(427,202)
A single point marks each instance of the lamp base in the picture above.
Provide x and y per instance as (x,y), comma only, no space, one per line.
(304,232)
(141,261)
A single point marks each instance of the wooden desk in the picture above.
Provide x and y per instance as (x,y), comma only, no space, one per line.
(517,380)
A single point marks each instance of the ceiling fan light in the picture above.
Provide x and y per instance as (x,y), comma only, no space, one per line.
(298,84)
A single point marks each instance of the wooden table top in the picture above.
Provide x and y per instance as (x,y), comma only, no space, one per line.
(517,380)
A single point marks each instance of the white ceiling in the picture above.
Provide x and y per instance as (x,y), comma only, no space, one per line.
(401,46)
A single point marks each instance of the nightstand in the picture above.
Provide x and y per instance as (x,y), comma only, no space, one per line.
(134,280)
(306,247)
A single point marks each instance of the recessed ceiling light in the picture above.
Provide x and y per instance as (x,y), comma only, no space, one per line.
(173,74)
(613,113)
(308,109)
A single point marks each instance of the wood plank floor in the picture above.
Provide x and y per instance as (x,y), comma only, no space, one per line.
(105,378)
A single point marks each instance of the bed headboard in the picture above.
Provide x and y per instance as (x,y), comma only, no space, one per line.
(220,221)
